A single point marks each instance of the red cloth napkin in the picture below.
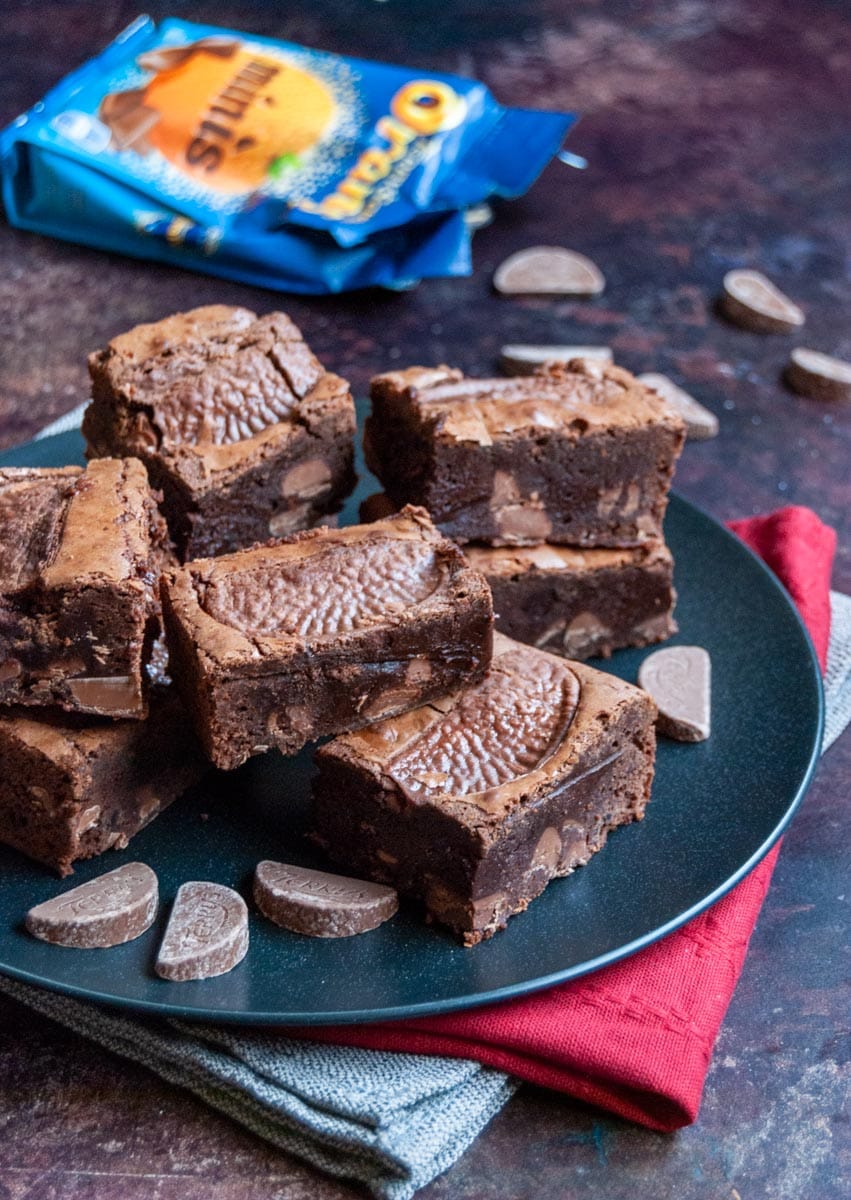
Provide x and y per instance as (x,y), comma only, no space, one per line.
(637,1037)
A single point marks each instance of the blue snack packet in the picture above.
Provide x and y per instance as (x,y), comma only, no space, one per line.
(267,162)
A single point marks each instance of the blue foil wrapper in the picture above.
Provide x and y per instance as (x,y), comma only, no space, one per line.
(268,162)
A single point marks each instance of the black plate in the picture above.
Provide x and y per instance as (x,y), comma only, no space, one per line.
(716,809)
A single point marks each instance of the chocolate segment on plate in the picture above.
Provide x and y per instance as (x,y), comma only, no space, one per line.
(237,422)
(284,643)
(580,603)
(80,553)
(579,455)
(752,301)
(319,904)
(474,803)
(206,935)
(678,679)
(71,788)
(107,911)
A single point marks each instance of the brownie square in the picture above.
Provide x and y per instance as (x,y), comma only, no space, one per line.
(581,454)
(71,788)
(325,632)
(474,804)
(578,602)
(239,425)
(80,555)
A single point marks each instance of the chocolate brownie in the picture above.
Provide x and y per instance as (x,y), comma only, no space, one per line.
(580,454)
(580,602)
(238,423)
(324,632)
(72,787)
(474,804)
(80,555)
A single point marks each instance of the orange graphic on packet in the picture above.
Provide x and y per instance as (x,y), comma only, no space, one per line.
(220,112)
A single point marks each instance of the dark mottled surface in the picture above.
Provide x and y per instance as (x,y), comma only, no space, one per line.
(718,135)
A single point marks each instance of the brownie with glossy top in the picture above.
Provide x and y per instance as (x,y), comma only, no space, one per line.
(80,557)
(324,632)
(580,454)
(239,424)
(474,803)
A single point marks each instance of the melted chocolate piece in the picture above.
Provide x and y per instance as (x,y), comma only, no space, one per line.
(319,904)
(343,588)
(496,733)
(678,680)
(206,935)
(107,911)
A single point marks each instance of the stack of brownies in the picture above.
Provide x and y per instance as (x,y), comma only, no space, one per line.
(556,483)
(467,769)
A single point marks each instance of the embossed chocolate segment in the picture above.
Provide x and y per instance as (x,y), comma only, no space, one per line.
(549,271)
(339,589)
(320,904)
(206,935)
(752,301)
(678,679)
(107,911)
(500,730)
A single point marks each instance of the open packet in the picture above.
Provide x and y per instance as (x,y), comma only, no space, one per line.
(267,162)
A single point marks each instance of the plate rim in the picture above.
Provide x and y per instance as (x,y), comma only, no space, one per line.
(467,1002)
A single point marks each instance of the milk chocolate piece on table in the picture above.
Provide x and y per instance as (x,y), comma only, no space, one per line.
(577,602)
(701,424)
(206,935)
(107,911)
(319,904)
(237,422)
(819,376)
(475,803)
(579,455)
(80,555)
(549,271)
(71,787)
(752,301)
(325,632)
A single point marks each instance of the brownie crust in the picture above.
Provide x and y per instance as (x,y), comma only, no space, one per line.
(580,603)
(72,788)
(240,426)
(474,804)
(580,454)
(323,632)
(80,555)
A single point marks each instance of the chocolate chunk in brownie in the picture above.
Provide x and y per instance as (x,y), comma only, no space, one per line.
(474,804)
(325,632)
(581,454)
(580,602)
(237,422)
(80,555)
(72,787)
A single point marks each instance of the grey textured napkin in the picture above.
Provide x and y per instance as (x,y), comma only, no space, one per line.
(389,1121)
